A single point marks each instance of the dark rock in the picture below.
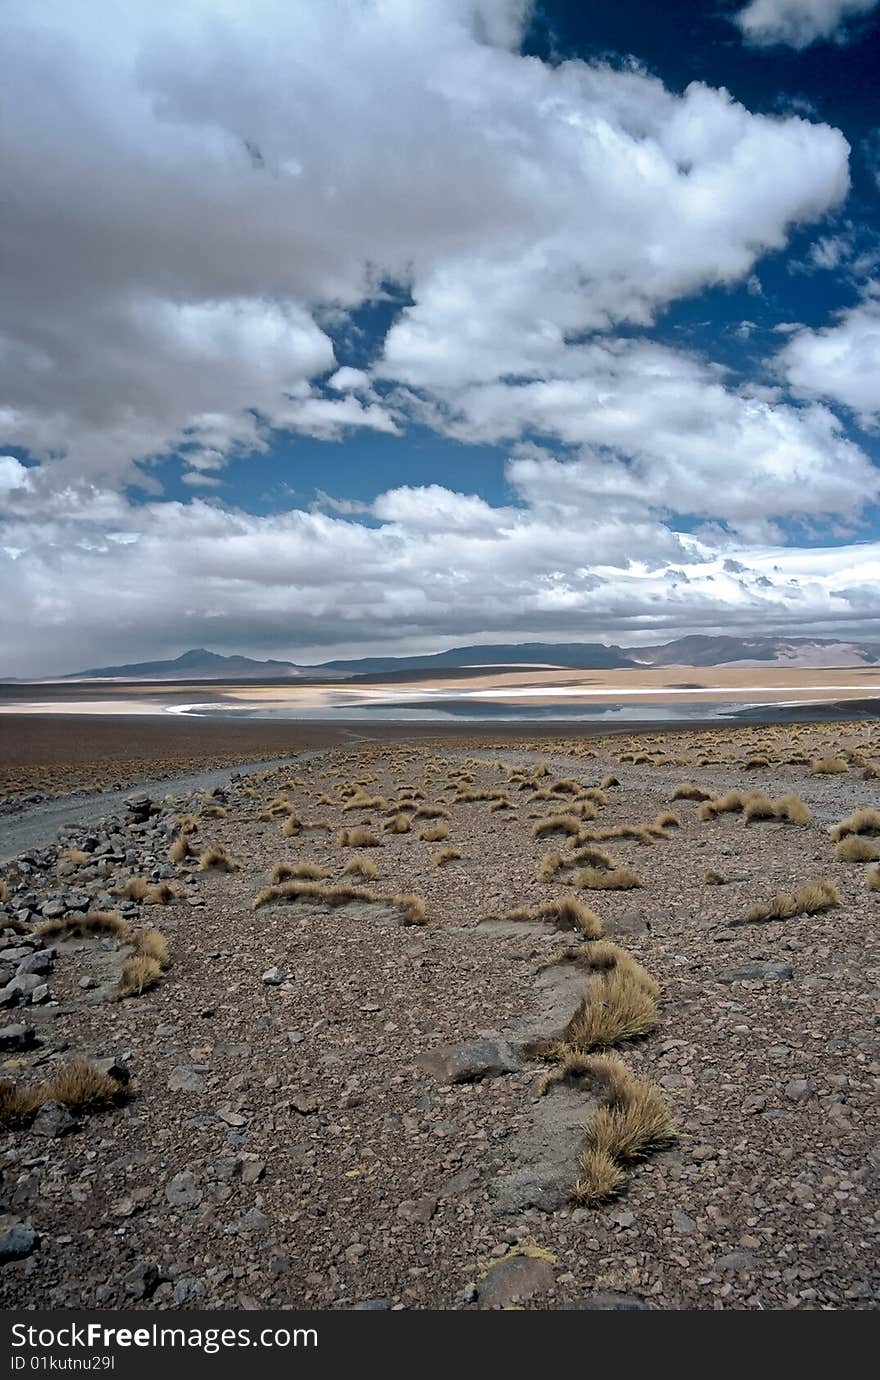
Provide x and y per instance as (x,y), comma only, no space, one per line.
(142,1279)
(514,1279)
(16,1241)
(53,1120)
(607,1301)
(17,1037)
(467,1062)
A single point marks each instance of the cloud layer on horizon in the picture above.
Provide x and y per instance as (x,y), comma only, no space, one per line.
(204,195)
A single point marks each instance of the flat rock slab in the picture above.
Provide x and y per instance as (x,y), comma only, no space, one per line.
(756,972)
(558,992)
(543,1164)
(607,1301)
(467,1062)
(515,1279)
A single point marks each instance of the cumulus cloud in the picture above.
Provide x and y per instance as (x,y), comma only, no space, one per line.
(840,362)
(798,23)
(198,187)
(88,578)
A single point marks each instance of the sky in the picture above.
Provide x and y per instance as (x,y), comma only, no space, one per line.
(380,326)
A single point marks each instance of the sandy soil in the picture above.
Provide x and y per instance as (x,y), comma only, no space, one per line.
(292,1139)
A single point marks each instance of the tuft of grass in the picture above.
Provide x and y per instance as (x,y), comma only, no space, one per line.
(84,1088)
(187,824)
(445,855)
(18,1105)
(607,782)
(399,824)
(413,910)
(283,871)
(811,899)
(872,877)
(431,812)
(792,810)
(139,974)
(666,820)
(828,766)
(435,833)
(214,812)
(153,944)
(863,821)
(358,837)
(88,926)
(292,826)
(181,849)
(218,858)
(556,824)
(713,878)
(688,791)
(570,913)
(362,867)
(854,848)
(600,1178)
(72,855)
(602,879)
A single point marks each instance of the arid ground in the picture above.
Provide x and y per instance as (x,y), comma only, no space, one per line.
(444,1020)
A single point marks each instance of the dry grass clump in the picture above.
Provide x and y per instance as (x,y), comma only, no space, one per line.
(292,826)
(400,824)
(665,820)
(828,766)
(863,821)
(284,871)
(4,891)
(713,878)
(187,824)
(591,856)
(569,913)
(550,864)
(213,812)
(88,926)
(153,944)
(854,848)
(150,893)
(431,812)
(217,857)
(71,855)
(445,855)
(181,849)
(361,867)
(758,806)
(619,1003)
(633,1121)
(606,879)
(296,890)
(871,771)
(365,802)
(810,899)
(139,974)
(436,833)
(688,791)
(358,837)
(607,782)
(556,824)
(872,877)
(790,809)
(80,1086)
(413,910)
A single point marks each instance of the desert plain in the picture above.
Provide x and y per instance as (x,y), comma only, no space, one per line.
(394,1016)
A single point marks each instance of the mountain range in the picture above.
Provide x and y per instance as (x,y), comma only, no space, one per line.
(695,650)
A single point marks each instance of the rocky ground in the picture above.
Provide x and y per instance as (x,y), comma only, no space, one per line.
(325,1107)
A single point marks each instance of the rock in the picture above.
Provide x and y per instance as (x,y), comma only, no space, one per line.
(799,1090)
(141,1280)
(186,1289)
(114,1067)
(252,1171)
(53,910)
(626,924)
(356,1251)
(40,962)
(607,1301)
(757,972)
(17,1037)
(183,1190)
(24,984)
(39,994)
(683,1222)
(418,1209)
(53,1120)
(371,1306)
(250,1222)
(467,1062)
(514,1279)
(735,1260)
(17,1241)
(185,1079)
(273,977)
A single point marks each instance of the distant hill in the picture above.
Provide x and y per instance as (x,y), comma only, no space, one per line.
(697,650)
(197,664)
(582,655)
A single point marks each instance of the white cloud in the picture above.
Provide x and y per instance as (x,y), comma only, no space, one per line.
(840,362)
(191,188)
(92,580)
(798,23)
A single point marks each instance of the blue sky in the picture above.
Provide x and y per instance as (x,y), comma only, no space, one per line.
(484,320)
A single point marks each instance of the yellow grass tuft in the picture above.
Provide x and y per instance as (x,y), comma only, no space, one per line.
(713,878)
(445,855)
(88,926)
(362,867)
(854,848)
(153,944)
(283,871)
(180,850)
(602,879)
(71,855)
(810,899)
(600,1178)
(84,1088)
(400,824)
(828,766)
(556,824)
(139,974)
(872,877)
(436,833)
(688,791)
(792,810)
(863,821)
(217,857)
(358,837)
